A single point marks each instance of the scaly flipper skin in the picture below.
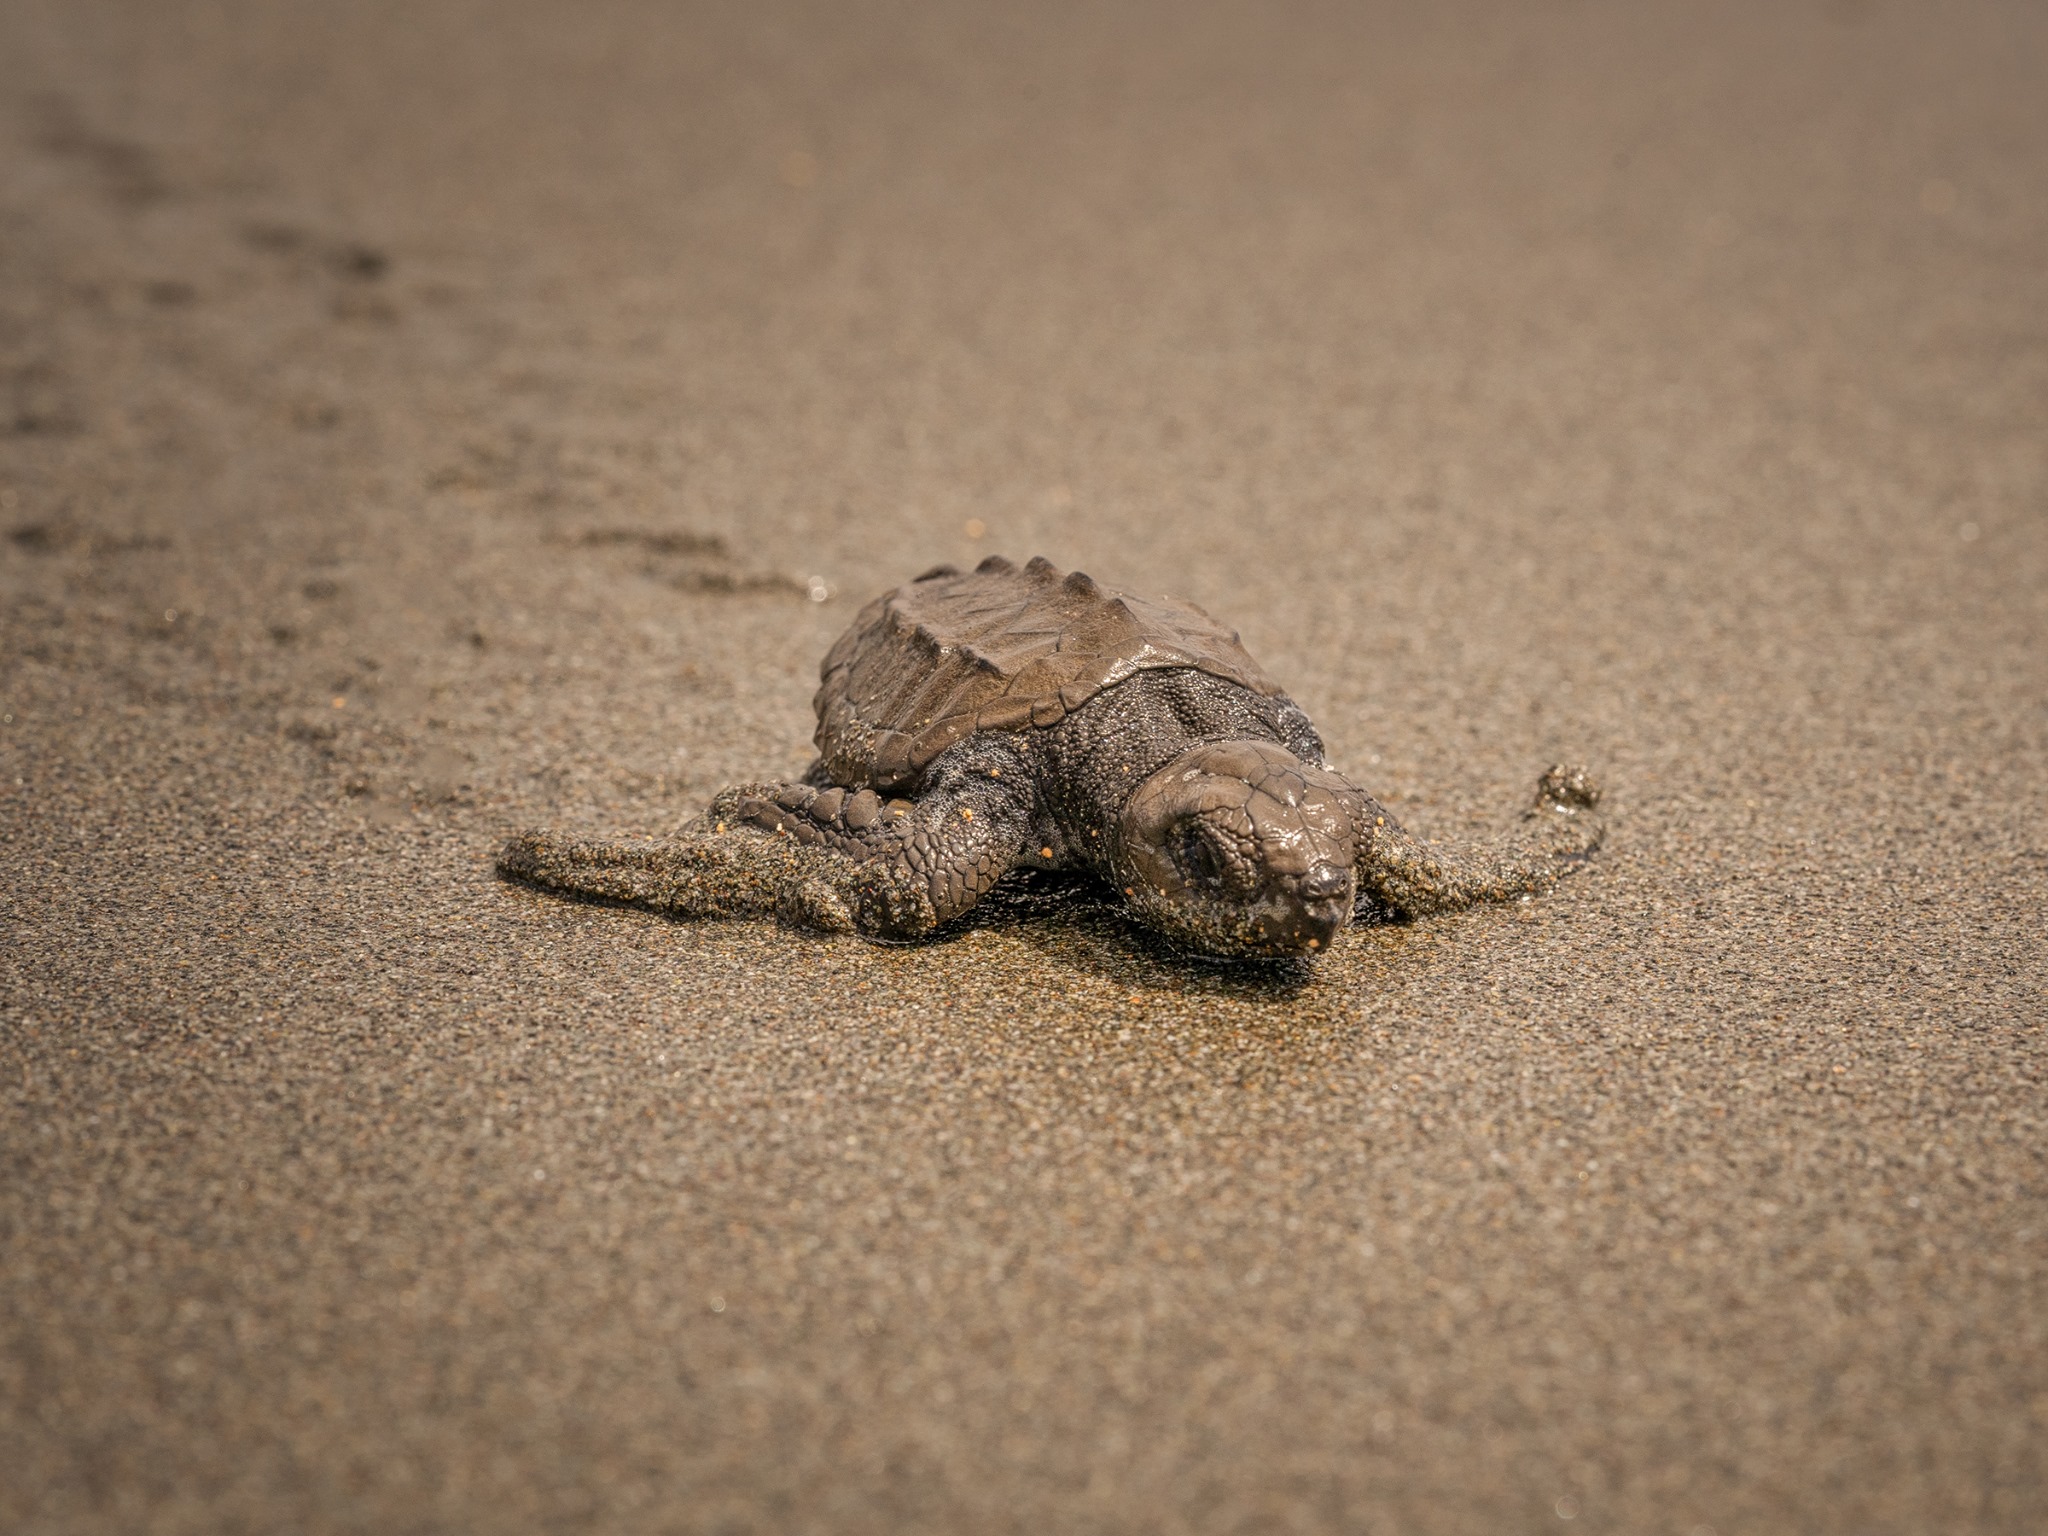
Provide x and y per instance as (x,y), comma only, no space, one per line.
(1403,877)
(836,860)
(917,863)
(697,874)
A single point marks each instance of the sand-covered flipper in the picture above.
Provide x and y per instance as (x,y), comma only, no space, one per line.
(1405,877)
(701,873)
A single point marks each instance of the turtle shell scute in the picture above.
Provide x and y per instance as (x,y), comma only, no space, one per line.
(999,648)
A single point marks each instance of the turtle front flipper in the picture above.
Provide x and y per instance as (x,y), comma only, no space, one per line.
(903,866)
(738,875)
(1401,876)
(837,860)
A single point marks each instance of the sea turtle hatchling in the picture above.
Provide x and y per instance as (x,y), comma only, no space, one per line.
(1024,718)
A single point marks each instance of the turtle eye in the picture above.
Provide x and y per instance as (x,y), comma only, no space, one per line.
(1198,856)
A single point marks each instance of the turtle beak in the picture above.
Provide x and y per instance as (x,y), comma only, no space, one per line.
(1325,893)
(1324,884)
(1311,913)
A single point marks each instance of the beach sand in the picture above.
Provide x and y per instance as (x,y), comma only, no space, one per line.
(420,421)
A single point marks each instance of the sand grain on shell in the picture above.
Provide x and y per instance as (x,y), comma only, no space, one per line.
(411,434)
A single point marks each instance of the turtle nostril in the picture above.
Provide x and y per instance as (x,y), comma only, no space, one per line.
(1325,882)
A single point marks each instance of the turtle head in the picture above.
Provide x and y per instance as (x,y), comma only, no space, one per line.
(1238,848)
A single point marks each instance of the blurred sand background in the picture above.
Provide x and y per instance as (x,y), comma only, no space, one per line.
(418,420)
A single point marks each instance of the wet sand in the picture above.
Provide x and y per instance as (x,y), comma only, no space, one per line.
(421,421)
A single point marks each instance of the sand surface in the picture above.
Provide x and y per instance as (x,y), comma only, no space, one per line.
(419,420)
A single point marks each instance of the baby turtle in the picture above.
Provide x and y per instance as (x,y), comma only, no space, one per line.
(970,725)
